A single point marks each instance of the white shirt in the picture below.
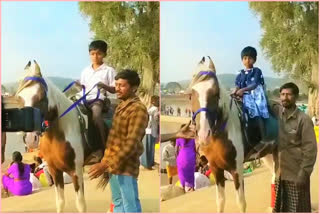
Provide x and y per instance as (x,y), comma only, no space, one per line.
(153,124)
(200,181)
(90,77)
(169,155)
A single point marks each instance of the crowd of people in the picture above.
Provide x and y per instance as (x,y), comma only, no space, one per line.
(179,111)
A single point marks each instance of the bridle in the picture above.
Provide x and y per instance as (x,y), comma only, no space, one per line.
(212,115)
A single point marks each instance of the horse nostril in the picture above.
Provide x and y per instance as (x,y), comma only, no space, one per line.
(208,133)
(35,138)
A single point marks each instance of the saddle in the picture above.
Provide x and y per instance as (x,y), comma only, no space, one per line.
(89,133)
(256,144)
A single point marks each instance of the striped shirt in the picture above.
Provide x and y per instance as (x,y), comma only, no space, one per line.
(124,144)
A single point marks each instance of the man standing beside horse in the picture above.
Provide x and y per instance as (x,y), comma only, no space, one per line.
(124,145)
(295,155)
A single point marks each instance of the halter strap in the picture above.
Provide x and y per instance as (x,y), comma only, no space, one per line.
(40,80)
(83,92)
(198,111)
(210,73)
(82,99)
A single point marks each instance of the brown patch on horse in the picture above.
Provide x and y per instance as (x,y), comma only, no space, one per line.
(53,146)
(218,174)
(57,176)
(75,182)
(221,152)
(236,181)
(221,155)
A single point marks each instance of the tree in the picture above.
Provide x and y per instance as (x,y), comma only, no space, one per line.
(290,40)
(131,30)
(173,87)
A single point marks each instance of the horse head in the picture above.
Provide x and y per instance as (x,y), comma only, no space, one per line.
(205,93)
(33,92)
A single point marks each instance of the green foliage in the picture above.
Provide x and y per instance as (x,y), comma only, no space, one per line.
(290,37)
(131,30)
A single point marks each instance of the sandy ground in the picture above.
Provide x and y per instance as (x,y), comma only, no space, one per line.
(96,200)
(257,188)
(257,193)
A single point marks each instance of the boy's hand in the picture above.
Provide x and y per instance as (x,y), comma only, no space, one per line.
(77,82)
(240,92)
(234,91)
(101,85)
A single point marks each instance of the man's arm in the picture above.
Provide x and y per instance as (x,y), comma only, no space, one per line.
(274,107)
(186,132)
(308,147)
(168,137)
(110,89)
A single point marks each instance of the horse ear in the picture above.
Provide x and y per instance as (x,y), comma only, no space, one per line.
(202,60)
(37,68)
(28,65)
(211,65)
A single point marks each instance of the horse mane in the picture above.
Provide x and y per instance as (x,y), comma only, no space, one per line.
(229,114)
(55,96)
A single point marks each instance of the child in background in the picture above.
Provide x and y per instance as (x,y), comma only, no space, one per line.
(168,155)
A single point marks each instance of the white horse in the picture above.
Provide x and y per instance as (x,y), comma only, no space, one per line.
(218,132)
(61,145)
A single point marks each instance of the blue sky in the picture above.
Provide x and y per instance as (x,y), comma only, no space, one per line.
(56,34)
(190,30)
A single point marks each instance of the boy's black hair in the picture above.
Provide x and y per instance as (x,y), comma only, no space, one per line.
(130,75)
(294,88)
(249,51)
(98,45)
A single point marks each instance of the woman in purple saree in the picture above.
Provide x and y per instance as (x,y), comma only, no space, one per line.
(16,179)
(186,162)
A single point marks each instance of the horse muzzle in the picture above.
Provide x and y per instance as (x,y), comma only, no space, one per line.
(31,139)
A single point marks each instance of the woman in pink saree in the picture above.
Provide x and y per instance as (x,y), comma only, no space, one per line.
(16,179)
(186,162)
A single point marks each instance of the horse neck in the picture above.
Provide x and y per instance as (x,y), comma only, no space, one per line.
(230,114)
(57,98)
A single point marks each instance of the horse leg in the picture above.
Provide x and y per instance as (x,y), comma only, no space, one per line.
(77,179)
(239,186)
(59,187)
(220,193)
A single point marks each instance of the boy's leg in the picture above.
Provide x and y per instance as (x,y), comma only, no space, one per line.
(116,194)
(98,121)
(170,180)
(129,192)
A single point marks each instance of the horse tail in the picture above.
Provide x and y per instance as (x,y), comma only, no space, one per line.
(103,180)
